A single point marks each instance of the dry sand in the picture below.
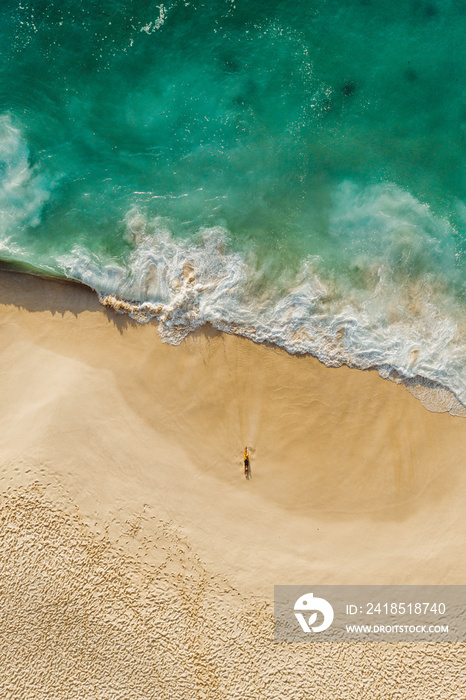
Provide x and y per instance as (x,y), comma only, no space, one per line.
(137,562)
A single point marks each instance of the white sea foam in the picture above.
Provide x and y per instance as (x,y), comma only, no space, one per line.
(407,330)
(155,25)
(23,191)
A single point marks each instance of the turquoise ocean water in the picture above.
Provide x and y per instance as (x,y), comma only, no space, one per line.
(291,172)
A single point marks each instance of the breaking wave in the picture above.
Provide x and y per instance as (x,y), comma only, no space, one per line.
(408,327)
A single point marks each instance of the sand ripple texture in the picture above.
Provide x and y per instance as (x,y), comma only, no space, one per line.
(82,615)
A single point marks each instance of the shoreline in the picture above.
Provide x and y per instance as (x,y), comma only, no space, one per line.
(434,396)
(121,477)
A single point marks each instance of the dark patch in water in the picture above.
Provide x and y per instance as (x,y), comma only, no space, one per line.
(410,75)
(349,88)
(231,65)
(427,10)
(430,11)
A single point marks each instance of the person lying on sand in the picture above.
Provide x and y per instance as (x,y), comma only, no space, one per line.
(247,466)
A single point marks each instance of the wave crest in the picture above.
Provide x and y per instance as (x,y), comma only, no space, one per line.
(186,284)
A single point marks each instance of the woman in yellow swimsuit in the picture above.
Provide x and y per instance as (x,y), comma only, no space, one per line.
(247,465)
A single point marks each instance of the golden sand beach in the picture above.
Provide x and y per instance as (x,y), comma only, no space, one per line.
(138,562)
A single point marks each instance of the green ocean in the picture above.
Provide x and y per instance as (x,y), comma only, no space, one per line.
(290,172)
